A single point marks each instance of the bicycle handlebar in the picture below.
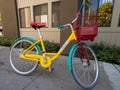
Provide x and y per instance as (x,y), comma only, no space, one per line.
(62,26)
(77,15)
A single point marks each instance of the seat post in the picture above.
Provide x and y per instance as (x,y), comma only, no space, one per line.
(39,33)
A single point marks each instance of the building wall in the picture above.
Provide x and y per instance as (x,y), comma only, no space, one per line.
(49,33)
(9,18)
(109,35)
(68,12)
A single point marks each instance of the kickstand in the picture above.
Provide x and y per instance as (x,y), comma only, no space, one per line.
(50,69)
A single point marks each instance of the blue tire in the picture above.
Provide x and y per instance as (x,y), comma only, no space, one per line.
(19,65)
(85,75)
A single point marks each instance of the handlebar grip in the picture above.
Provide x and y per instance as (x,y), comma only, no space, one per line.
(60,27)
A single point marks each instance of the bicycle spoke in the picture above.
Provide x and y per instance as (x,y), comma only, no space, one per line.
(85,75)
(20,65)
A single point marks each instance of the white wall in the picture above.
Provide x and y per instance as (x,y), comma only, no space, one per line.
(49,33)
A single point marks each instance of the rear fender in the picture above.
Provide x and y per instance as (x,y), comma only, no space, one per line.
(30,39)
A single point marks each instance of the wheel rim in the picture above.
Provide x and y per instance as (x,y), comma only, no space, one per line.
(84,74)
(22,66)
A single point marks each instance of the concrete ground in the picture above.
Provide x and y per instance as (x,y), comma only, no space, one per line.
(58,79)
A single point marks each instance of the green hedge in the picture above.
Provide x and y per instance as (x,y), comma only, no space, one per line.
(50,46)
(107,53)
(6,41)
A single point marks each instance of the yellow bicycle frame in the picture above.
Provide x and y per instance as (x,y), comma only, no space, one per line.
(44,59)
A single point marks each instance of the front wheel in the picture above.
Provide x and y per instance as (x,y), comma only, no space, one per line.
(19,65)
(84,74)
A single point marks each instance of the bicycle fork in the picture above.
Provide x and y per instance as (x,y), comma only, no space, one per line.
(84,52)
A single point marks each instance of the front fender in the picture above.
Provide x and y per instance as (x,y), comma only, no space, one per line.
(70,57)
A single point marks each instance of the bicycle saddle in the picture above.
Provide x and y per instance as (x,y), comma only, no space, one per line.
(36,25)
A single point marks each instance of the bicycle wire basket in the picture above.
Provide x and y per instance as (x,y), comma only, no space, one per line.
(86,27)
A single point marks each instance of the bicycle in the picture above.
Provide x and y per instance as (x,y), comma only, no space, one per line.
(26,53)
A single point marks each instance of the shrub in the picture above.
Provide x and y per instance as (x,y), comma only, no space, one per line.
(5,41)
(50,46)
(107,53)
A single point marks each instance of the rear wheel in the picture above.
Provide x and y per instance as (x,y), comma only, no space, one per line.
(85,75)
(19,65)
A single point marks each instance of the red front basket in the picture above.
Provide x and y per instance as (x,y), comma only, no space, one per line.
(86,28)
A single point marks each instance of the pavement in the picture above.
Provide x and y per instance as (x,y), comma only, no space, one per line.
(59,79)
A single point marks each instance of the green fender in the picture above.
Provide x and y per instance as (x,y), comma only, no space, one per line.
(70,57)
(27,38)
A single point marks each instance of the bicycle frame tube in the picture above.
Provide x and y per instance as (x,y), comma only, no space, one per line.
(70,38)
(27,56)
(84,52)
(37,42)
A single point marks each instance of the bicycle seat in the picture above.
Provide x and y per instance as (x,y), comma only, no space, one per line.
(36,25)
